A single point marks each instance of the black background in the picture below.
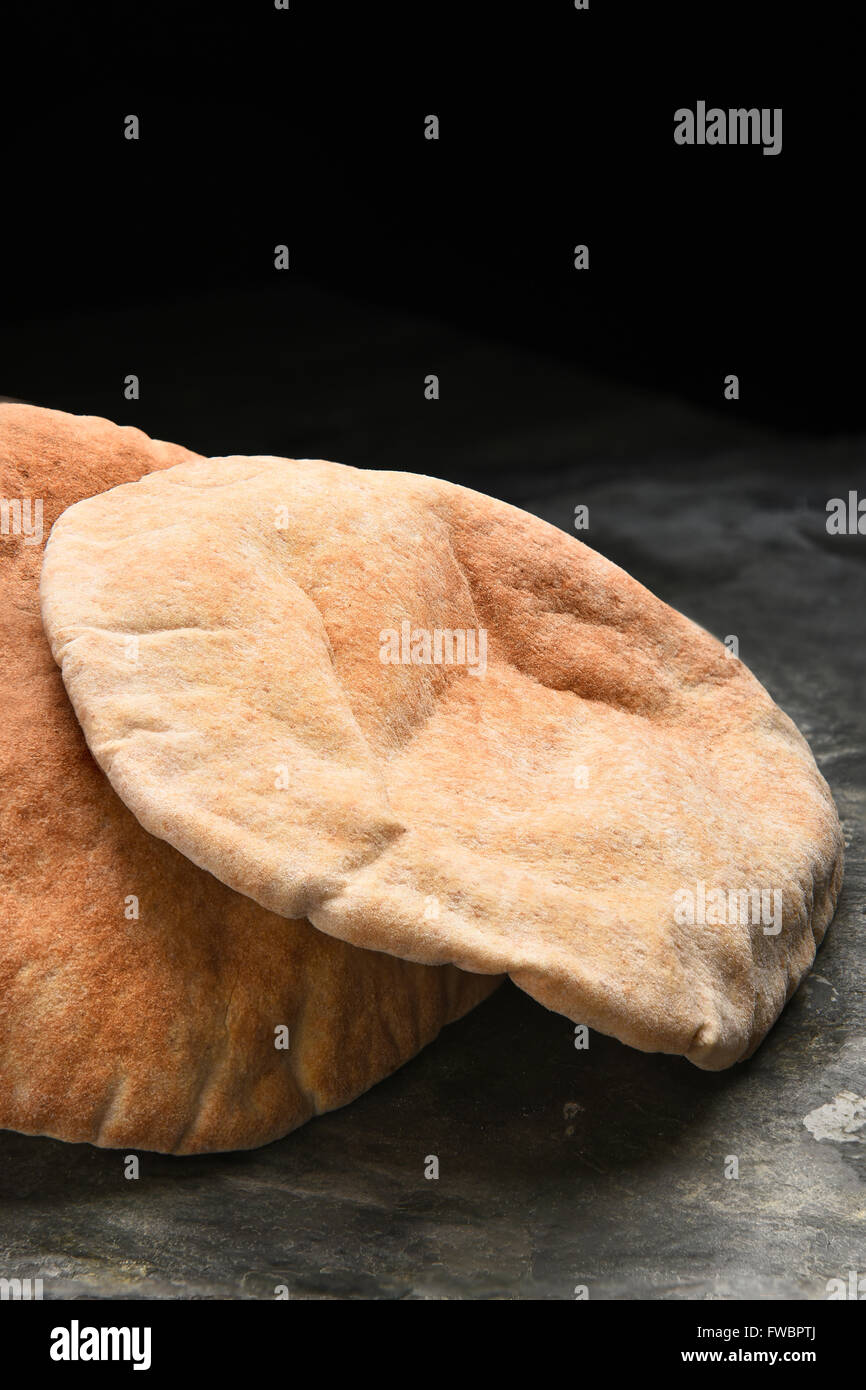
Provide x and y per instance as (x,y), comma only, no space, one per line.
(306,127)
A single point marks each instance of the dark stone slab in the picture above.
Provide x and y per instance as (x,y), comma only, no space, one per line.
(558,1167)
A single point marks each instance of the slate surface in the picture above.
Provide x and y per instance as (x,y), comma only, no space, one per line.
(558,1167)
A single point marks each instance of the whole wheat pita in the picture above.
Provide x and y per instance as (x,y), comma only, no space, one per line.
(142,1003)
(441,728)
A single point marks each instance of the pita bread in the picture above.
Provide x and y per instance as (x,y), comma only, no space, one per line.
(156,1032)
(429,809)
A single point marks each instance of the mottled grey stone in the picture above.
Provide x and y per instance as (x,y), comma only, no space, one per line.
(557,1167)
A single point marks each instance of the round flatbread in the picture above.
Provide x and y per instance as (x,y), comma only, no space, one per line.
(441,728)
(143,1004)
